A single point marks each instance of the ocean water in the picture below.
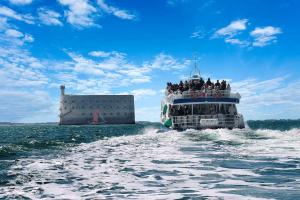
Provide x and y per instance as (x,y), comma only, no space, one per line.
(146,161)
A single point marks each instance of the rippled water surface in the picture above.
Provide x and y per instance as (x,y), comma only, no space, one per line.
(144,161)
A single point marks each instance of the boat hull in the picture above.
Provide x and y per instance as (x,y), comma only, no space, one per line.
(204,122)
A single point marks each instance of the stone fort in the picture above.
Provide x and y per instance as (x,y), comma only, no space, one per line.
(96,109)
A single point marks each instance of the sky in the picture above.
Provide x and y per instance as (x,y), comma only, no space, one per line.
(137,46)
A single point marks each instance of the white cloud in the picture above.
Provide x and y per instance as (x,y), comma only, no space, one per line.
(262,36)
(99,54)
(234,28)
(105,54)
(81,13)
(7,12)
(86,66)
(20,70)
(236,41)
(142,93)
(10,36)
(29,106)
(49,17)
(13,33)
(112,66)
(136,74)
(123,14)
(167,63)
(265,35)
(28,38)
(268,98)
(20,2)
(3,24)
(199,34)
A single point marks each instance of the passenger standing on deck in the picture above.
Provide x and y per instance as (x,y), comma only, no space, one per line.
(218,85)
(208,82)
(223,85)
(201,82)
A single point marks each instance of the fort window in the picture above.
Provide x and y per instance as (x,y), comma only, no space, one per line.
(72,107)
(65,101)
(65,108)
(82,107)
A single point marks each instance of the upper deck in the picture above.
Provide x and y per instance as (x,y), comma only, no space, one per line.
(197,90)
(203,96)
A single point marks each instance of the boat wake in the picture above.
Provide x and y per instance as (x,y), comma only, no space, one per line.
(208,164)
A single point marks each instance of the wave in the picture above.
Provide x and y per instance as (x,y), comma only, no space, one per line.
(21,140)
(208,164)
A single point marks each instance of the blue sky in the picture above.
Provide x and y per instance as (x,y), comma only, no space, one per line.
(136,46)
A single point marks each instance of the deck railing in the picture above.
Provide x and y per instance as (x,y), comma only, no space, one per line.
(201,93)
(194,121)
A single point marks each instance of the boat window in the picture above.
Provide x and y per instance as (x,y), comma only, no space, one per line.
(180,110)
(228,109)
(206,109)
(203,109)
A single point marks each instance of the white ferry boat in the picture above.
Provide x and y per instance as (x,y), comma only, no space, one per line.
(197,104)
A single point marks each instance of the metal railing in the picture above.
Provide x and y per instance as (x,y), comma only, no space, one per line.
(200,121)
(201,93)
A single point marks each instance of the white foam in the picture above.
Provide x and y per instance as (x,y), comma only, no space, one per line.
(154,165)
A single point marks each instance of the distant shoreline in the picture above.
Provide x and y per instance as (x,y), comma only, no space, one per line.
(56,123)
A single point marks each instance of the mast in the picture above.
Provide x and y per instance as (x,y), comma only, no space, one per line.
(195,74)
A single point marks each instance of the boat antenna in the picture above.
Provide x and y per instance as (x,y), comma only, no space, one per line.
(196,73)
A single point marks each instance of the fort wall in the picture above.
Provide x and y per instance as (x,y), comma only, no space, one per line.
(96,109)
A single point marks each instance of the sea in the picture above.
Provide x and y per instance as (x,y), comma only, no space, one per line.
(147,161)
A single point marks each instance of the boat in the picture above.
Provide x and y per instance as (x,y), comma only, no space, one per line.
(196,104)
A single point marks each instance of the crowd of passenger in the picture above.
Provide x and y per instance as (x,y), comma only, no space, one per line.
(197,85)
